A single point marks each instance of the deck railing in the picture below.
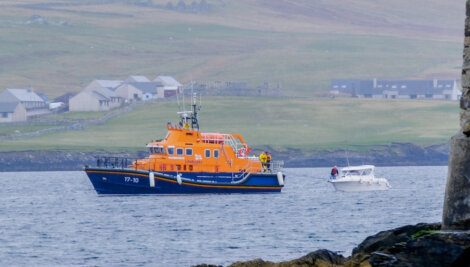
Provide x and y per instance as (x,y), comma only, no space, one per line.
(126,163)
(114,162)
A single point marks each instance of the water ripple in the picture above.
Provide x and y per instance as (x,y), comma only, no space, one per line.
(56,218)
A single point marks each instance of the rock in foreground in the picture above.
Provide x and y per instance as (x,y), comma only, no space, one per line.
(412,245)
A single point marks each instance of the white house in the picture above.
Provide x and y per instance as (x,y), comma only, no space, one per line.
(95,100)
(32,102)
(136,91)
(137,79)
(99,84)
(12,112)
(169,86)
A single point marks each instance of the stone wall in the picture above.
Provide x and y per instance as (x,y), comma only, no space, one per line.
(456,213)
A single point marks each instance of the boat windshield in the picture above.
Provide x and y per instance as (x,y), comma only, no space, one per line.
(362,172)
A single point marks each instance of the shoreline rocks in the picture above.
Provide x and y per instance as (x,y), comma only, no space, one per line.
(396,154)
(411,245)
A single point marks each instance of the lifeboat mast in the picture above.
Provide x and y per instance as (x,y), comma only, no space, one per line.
(189,118)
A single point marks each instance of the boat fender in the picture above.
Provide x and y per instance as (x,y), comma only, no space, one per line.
(280,178)
(151,179)
(179,179)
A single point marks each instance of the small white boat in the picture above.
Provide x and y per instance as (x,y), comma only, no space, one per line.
(358,178)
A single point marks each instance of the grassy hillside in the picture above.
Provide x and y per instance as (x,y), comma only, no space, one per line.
(302,44)
(295,123)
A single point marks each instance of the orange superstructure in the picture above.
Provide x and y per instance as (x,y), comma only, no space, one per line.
(186,149)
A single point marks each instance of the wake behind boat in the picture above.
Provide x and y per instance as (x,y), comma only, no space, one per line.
(358,178)
(189,161)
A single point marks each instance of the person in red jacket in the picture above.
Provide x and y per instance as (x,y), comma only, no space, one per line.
(334,172)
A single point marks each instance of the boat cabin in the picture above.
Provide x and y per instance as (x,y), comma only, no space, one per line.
(364,170)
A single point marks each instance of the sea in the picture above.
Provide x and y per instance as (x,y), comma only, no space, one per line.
(57,219)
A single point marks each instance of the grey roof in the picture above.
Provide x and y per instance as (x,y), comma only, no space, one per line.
(105,92)
(167,81)
(147,87)
(445,84)
(137,78)
(409,87)
(8,107)
(99,96)
(25,95)
(111,84)
(65,97)
(355,87)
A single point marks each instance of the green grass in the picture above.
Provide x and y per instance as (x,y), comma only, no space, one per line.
(48,121)
(251,41)
(308,124)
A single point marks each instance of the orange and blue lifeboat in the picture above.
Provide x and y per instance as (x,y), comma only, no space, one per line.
(189,161)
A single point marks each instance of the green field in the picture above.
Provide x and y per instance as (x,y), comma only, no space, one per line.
(307,124)
(300,44)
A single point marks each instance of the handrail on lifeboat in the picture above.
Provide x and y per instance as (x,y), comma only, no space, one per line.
(114,162)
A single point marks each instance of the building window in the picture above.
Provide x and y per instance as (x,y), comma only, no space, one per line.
(171,150)
(413,96)
(428,96)
(189,151)
(4,114)
(216,153)
(179,151)
(207,153)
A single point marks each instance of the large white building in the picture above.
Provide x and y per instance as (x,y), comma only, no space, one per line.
(398,89)
(169,86)
(99,99)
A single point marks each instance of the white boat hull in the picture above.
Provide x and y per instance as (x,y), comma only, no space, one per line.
(359,186)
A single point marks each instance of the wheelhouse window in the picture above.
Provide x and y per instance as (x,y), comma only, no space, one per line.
(189,151)
(179,151)
(171,150)
(216,153)
(157,150)
(207,153)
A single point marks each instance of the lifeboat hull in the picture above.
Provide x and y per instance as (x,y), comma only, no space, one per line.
(129,181)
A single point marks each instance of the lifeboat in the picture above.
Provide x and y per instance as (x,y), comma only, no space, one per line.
(188,161)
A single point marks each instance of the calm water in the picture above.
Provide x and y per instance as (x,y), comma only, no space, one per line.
(56,218)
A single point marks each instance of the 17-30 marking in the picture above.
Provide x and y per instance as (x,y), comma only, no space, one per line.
(131,180)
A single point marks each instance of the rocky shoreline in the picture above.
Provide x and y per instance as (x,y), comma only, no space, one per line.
(412,245)
(396,154)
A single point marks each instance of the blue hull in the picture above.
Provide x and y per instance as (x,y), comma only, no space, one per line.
(128,181)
